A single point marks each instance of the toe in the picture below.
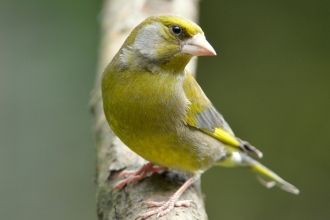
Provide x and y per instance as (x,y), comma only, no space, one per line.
(184,203)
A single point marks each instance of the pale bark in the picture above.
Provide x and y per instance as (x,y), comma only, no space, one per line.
(117,19)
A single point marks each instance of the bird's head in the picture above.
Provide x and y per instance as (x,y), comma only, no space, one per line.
(164,42)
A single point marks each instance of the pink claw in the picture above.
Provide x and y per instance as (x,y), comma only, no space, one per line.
(136,175)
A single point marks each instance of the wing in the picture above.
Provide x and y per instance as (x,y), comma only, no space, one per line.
(205,117)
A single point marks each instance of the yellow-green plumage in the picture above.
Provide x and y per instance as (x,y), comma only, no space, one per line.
(148,114)
(158,109)
(200,104)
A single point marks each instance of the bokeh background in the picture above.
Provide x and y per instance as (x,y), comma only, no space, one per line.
(271,81)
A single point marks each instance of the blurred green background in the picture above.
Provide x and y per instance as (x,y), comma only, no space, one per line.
(271,81)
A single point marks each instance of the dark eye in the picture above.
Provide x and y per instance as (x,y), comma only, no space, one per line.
(177,30)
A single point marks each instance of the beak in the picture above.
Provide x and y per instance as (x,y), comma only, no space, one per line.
(198,46)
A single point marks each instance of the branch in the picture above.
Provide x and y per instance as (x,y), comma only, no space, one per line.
(118,18)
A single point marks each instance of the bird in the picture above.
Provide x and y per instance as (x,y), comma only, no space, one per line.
(157,108)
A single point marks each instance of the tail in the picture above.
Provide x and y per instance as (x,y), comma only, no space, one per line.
(265,176)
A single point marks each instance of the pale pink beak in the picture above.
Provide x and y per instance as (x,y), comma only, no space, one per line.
(198,46)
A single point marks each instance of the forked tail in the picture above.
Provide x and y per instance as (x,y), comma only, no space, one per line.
(267,177)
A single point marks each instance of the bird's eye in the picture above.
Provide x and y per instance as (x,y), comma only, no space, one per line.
(177,30)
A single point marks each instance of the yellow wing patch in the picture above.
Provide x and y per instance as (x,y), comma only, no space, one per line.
(223,136)
(202,115)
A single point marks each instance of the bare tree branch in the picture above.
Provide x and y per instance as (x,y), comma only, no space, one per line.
(117,19)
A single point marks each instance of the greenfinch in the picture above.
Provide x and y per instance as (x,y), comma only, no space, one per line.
(156,107)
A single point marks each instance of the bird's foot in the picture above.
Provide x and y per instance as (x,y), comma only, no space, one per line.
(136,175)
(165,207)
